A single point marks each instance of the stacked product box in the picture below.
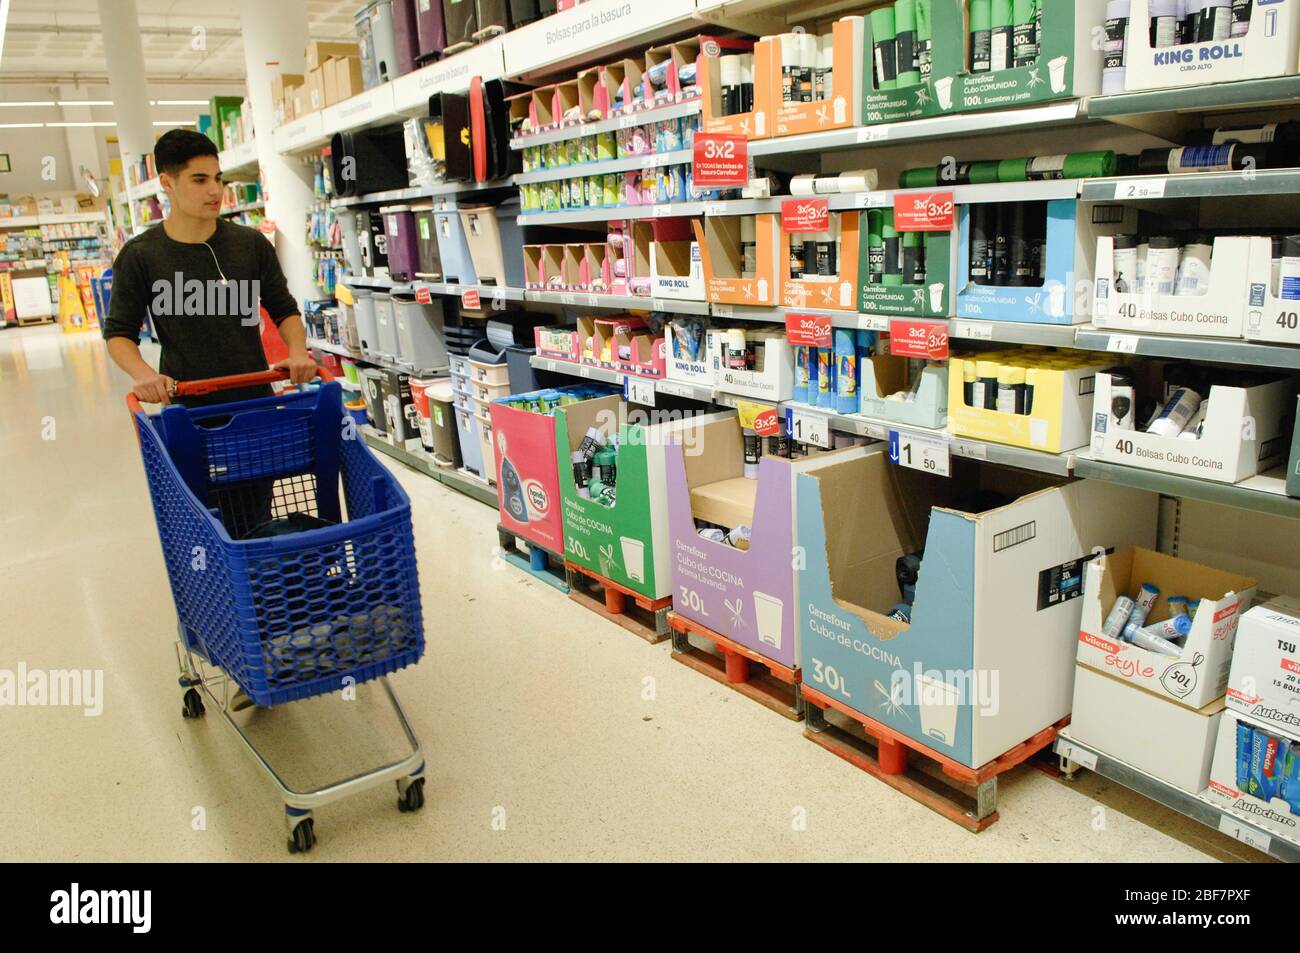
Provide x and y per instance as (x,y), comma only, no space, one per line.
(1167,672)
(893,618)
(613,491)
(1256,769)
(746,591)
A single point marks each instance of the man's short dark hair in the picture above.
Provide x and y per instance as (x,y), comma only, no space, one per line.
(177,147)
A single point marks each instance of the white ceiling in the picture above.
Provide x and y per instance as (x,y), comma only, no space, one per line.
(58,41)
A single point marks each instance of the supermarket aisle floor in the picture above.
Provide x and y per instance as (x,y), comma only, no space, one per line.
(542,735)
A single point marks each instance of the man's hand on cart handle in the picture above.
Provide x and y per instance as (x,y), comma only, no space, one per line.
(301,367)
(154,388)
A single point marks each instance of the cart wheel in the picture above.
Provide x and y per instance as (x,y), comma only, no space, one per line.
(193,704)
(413,799)
(304,837)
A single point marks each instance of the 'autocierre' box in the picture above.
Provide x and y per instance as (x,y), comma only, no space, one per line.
(1231,786)
(1264,683)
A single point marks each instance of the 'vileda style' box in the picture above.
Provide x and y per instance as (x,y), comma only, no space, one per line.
(1199,674)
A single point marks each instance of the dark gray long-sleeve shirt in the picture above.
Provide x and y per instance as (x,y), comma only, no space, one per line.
(207,327)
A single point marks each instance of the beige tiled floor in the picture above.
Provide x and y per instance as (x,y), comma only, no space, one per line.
(539,738)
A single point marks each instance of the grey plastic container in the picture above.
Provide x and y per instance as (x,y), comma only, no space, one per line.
(367,327)
(386,326)
(420,332)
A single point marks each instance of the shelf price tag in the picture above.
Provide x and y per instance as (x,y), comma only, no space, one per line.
(873,133)
(807,427)
(1079,756)
(974,330)
(567,299)
(470,300)
(923,212)
(664,210)
(872,199)
(721,161)
(925,453)
(1123,343)
(1145,189)
(638,390)
(423,296)
(1251,838)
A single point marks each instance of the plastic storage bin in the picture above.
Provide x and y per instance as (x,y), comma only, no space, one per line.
(386,328)
(471,451)
(403,248)
(406,36)
(428,264)
(372,391)
(375,34)
(495,243)
(349,229)
(374,244)
(368,160)
(429,25)
(367,328)
(419,332)
(488,450)
(461,22)
(453,250)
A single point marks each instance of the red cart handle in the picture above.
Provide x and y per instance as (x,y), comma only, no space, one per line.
(213,384)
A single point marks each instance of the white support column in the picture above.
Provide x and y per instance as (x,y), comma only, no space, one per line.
(83,148)
(275,37)
(120,28)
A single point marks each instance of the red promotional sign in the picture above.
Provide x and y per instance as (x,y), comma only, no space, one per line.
(805,215)
(808,330)
(768,424)
(923,211)
(909,337)
(721,161)
(423,296)
(470,301)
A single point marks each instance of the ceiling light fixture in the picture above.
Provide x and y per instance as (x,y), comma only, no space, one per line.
(71,125)
(22,125)
(84,102)
(179,102)
(33,102)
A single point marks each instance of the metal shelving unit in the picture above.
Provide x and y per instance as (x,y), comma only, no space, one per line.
(959,125)
(420,192)
(1264,493)
(1076,754)
(1247,94)
(471,486)
(606,302)
(652,160)
(1192,185)
(639,117)
(1210,350)
(486,292)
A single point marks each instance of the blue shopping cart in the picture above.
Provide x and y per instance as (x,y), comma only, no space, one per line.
(284,615)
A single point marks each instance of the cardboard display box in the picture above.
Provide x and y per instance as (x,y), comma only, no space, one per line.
(559,343)
(933,95)
(637,351)
(837,294)
(962,678)
(1268,49)
(1268,317)
(1264,684)
(719,240)
(697,371)
(885,374)
(931,300)
(347,77)
(1293,462)
(676,270)
(316,89)
(1151,733)
(758,123)
(1200,674)
(1071,244)
(1237,276)
(318,51)
(842,105)
(771,378)
(748,595)
(1230,788)
(1062,409)
(1228,450)
(626,542)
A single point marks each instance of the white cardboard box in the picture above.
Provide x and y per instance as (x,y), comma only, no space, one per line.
(1265,680)
(1228,450)
(1153,734)
(1235,269)
(1275,815)
(774,382)
(1268,49)
(676,271)
(1200,674)
(691,372)
(1268,317)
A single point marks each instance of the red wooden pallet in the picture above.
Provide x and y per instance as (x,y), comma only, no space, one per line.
(638,614)
(776,688)
(941,784)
